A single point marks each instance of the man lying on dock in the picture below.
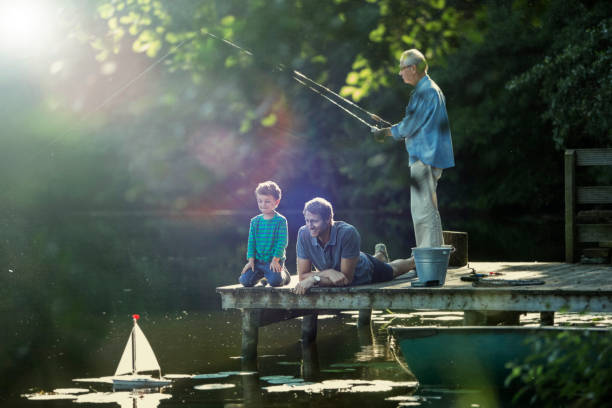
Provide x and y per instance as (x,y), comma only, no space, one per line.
(333,247)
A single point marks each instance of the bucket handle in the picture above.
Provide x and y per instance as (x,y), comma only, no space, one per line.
(452,248)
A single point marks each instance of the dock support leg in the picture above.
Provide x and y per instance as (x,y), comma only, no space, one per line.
(251,320)
(491,318)
(310,361)
(309,328)
(365,317)
(473,318)
(547,318)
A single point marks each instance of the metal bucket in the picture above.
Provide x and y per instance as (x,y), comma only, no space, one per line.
(431,264)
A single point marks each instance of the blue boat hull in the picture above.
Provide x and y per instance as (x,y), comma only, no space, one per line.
(468,356)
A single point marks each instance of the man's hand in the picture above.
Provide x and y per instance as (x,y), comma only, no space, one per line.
(275,265)
(381,134)
(249,265)
(302,286)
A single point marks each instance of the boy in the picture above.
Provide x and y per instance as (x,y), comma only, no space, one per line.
(267,240)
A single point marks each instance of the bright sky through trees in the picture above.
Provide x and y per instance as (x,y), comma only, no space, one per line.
(26,27)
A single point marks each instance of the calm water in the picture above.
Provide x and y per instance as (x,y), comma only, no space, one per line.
(347,366)
(68,286)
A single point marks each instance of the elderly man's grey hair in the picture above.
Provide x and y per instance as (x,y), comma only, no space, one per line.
(416,58)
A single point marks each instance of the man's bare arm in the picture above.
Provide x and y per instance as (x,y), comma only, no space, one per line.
(304,268)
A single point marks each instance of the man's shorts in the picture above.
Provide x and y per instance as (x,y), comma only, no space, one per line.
(382,271)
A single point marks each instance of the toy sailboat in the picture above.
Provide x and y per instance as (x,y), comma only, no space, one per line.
(137,357)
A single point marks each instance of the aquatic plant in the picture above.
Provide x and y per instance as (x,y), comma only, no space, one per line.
(569,368)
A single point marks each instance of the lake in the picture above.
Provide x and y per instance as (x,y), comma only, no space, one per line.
(70,284)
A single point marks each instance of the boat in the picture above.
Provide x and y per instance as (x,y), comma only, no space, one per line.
(138,357)
(469,356)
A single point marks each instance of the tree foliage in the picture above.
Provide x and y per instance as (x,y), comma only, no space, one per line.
(570,368)
(193,121)
(573,80)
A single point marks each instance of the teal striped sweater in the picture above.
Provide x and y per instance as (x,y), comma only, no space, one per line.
(267,238)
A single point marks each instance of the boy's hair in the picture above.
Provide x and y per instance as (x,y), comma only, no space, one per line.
(321,207)
(269,188)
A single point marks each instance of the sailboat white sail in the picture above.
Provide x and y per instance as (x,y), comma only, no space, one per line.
(137,357)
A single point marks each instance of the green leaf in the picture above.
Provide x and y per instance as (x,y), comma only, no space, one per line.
(228,20)
(377,34)
(352,78)
(106,10)
(269,120)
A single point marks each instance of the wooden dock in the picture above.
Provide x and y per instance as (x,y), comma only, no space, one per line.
(567,287)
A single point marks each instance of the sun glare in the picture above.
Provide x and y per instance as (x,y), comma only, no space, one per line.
(25,26)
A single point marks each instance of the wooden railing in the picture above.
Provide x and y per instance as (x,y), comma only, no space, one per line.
(577,230)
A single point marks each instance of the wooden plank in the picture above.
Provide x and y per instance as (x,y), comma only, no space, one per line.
(454,299)
(572,287)
(594,217)
(594,232)
(570,205)
(594,157)
(594,195)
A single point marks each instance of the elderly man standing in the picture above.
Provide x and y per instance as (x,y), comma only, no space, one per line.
(425,130)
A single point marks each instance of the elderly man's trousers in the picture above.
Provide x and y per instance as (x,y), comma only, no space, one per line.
(424,204)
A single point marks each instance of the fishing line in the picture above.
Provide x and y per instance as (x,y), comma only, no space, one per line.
(334,102)
(297,75)
(341,97)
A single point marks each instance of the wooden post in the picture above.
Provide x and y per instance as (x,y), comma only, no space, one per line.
(251,394)
(491,318)
(310,361)
(570,204)
(251,320)
(547,318)
(309,328)
(474,318)
(459,240)
(365,336)
(365,317)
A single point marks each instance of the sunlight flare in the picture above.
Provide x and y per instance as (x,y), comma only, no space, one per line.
(26,28)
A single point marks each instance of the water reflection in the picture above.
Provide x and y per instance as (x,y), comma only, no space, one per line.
(310,368)
(347,365)
(125,399)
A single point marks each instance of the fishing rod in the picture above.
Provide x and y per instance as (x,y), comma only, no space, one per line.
(335,103)
(300,77)
(373,116)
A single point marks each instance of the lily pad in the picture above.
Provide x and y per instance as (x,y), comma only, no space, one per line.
(337,370)
(70,390)
(207,387)
(286,381)
(46,397)
(369,388)
(281,379)
(407,398)
(222,374)
(177,376)
(105,380)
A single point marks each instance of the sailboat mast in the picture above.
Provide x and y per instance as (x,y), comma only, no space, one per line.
(135,317)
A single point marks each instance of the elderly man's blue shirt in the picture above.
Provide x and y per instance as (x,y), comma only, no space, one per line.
(425,127)
(344,242)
